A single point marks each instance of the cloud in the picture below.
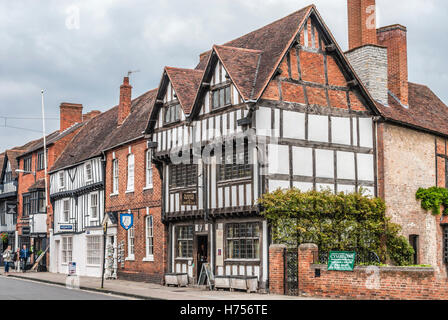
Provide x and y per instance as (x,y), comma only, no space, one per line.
(86,64)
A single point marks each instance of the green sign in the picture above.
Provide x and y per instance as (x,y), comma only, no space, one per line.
(341,261)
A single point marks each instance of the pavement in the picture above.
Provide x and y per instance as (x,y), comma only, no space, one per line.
(141,290)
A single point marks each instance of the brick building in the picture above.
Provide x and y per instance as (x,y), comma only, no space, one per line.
(35,215)
(133,187)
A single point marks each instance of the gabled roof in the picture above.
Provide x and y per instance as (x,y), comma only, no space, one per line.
(101,133)
(242,66)
(186,84)
(426,111)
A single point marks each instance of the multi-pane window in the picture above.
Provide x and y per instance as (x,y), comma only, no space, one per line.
(65,211)
(93,207)
(172,113)
(235,165)
(131,242)
(41,161)
(243,241)
(61,180)
(149,168)
(88,171)
(27,164)
(37,202)
(115,176)
(94,250)
(221,97)
(183,175)
(184,241)
(26,205)
(131,166)
(67,248)
(149,236)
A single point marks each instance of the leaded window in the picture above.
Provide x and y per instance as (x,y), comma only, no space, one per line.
(243,241)
(221,97)
(172,113)
(235,165)
(184,235)
(183,175)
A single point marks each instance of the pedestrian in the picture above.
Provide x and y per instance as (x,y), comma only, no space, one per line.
(7,259)
(24,254)
(16,260)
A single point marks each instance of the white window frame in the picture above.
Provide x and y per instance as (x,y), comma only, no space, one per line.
(149,235)
(131,247)
(64,211)
(96,194)
(67,250)
(86,171)
(61,178)
(115,177)
(95,253)
(149,172)
(131,173)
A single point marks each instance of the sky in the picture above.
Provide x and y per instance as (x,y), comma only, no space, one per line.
(79,51)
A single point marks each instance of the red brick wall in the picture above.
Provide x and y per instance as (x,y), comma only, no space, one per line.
(69,115)
(384,283)
(359,19)
(277,269)
(137,202)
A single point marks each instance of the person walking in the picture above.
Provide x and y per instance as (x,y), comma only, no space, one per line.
(16,260)
(7,259)
(24,254)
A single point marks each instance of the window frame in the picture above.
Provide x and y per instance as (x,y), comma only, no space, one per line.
(27,164)
(65,211)
(26,205)
(61,180)
(86,172)
(115,176)
(239,238)
(189,240)
(67,250)
(224,96)
(95,253)
(130,178)
(131,244)
(235,171)
(169,107)
(149,237)
(183,176)
(94,194)
(149,174)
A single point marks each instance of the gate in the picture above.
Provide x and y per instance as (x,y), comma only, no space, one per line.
(291,286)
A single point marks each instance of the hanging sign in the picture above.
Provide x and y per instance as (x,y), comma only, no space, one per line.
(11,208)
(341,261)
(189,199)
(127,220)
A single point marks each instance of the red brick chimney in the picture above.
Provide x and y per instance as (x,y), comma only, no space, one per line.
(361,23)
(90,115)
(395,39)
(70,114)
(124,108)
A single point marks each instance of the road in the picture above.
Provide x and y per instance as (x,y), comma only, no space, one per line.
(15,289)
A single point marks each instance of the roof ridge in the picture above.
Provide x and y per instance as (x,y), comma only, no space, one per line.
(238,48)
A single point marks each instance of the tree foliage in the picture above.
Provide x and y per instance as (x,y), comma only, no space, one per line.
(433,198)
(342,222)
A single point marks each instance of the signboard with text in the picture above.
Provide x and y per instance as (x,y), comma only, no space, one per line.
(341,261)
(189,199)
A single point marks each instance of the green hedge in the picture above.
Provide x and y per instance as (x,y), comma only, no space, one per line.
(339,222)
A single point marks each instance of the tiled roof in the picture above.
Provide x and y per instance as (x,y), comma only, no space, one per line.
(186,84)
(39,184)
(102,133)
(242,65)
(273,40)
(426,111)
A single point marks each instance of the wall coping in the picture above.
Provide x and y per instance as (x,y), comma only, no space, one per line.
(277,246)
(382,269)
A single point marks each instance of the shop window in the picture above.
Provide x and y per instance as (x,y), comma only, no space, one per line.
(243,241)
(184,237)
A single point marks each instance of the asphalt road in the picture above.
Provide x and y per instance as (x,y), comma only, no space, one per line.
(15,289)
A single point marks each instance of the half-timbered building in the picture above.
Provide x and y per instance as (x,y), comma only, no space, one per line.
(280,107)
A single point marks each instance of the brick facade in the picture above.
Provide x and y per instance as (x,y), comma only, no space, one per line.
(139,269)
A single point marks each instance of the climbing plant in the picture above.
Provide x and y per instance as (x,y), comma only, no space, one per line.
(433,198)
(342,222)
(4,237)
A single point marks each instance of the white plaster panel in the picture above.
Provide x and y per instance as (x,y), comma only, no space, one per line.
(302,160)
(293,125)
(324,163)
(278,159)
(303,186)
(318,128)
(346,165)
(263,119)
(340,130)
(366,132)
(275,184)
(365,167)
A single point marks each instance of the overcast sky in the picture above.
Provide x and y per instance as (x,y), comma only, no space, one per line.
(43,45)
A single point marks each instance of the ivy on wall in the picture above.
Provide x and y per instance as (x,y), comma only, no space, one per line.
(341,222)
(433,199)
